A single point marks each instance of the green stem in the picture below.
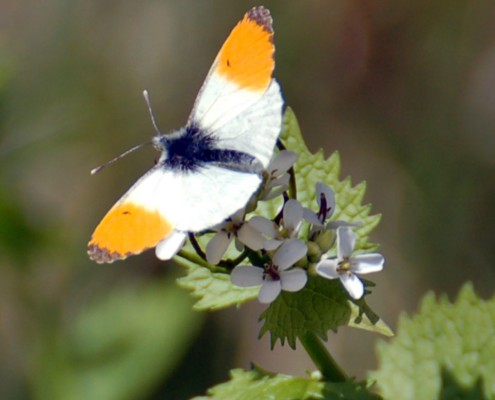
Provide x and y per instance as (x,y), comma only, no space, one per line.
(198,260)
(322,358)
(196,246)
(292,184)
(241,257)
(292,180)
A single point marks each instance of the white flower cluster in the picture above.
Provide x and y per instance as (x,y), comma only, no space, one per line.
(286,260)
(279,272)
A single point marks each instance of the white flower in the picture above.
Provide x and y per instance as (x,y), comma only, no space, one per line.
(170,246)
(276,178)
(292,218)
(233,227)
(325,198)
(275,276)
(345,267)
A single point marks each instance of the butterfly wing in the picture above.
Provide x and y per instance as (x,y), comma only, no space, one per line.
(164,201)
(241,73)
(240,105)
(255,130)
(135,223)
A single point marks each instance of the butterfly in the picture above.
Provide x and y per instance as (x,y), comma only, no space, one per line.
(210,168)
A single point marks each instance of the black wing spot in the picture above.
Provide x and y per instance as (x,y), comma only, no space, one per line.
(194,149)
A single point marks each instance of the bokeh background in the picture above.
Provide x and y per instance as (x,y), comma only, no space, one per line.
(404,90)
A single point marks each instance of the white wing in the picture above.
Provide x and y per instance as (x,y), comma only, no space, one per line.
(240,74)
(256,129)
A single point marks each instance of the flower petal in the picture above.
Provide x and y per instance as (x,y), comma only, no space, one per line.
(271,194)
(217,246)
(282,162)
(247,275)
(281,181)
(311,217)
(327,268)
(170,246)
(367,263)
(238,216)
(346,239)
(293,215)
(336,224)
(251,237)
(289,252)
(272,244)
(353,285)
(264,225)
(293,280)
(239,246)
(269,291)
(328,193)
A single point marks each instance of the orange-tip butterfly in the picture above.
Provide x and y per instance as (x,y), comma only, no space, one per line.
(210,168)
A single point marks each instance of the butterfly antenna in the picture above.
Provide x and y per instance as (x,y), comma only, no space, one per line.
(150,109)
(99,168)
(153,121)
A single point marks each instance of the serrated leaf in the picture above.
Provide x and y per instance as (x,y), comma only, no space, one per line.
(213,289)
(445,351)
(256,385)
(321,306)
(312,168)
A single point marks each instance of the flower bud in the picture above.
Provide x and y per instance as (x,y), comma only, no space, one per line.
(325,240)
(314,252)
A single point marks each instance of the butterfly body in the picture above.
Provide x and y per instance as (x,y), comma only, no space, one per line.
(190,149)
(209,169)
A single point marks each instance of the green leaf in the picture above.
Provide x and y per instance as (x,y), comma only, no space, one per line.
(104,351)
(445,351)
(321,306)
(258,385)
(19,239)
(213,289)
(312,168)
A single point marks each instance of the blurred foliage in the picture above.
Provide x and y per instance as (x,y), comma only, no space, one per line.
(117,348)
(404,90)
(15,226)
(259,385)
(444,352)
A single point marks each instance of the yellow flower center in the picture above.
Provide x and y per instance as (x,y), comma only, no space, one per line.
(344,266)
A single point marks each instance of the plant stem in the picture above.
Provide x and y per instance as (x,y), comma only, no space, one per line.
(322,358)
(198,260)
(292,184)
(196,246)
(292,180)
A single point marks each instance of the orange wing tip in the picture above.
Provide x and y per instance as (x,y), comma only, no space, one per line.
(127,229)
(247,56)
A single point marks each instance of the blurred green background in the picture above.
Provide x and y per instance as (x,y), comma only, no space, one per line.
(404,90)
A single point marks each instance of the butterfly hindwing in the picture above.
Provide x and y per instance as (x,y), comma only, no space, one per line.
(163,201)
(134,223)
